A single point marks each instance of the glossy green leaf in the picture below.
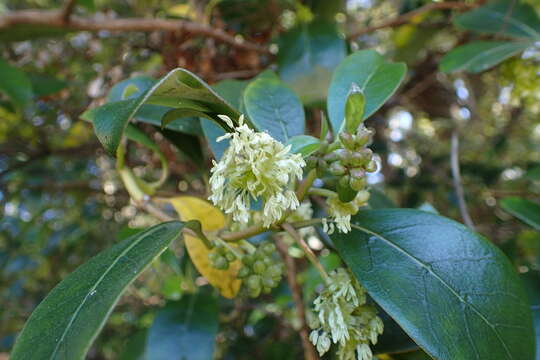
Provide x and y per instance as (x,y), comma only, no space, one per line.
(525,210)
(65,324)
(304,144)
(531,280)
(179,89)
(502,17)
(153,114)
(379,200)
(15,84)
(307,56)
(453,292)
(275,108)
(232,91)
(478,56)
(377,79)
(184,330)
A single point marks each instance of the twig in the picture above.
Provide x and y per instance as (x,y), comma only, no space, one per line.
(405,18)
(53,19)
(309,350)
(458,186)
(309,253)
(67,10)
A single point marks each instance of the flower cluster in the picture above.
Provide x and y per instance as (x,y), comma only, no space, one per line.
(341,212)
(345,319)
(254,166)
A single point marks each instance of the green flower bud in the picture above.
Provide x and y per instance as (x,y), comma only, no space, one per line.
(259,267)
(254,281)
(248,260)
(268,282)
(371,166)
(357,173)
(321,164)
(357,184)
(267,290)
(255,292)
(275,271)
(230,256)
(221,263)
(268,248)
(212,256)
(344,155)
(337,169)
(243,272)
(344,181)
(347,140)
(331,157)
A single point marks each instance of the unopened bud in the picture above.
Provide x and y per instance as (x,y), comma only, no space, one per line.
(372,166)
(337,169)
(346,140)
(357,184)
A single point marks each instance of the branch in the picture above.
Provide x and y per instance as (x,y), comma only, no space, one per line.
(405,18)
(66,11)
(309,350)
(458,186)
(54,19)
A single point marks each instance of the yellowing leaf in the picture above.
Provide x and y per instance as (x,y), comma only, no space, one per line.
(211,219)
(182,10)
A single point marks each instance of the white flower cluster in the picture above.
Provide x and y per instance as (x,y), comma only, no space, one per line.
(254,166)
(344,318)
(341,212)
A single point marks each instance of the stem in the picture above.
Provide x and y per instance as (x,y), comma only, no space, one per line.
(309,253)
(322,192)
(302,190)
(458,186)
(309,350)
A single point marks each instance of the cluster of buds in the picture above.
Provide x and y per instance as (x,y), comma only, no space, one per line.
(522,75)
(353,160)
(260,271)
(220,257)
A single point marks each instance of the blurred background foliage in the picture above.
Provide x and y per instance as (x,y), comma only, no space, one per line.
(61,201)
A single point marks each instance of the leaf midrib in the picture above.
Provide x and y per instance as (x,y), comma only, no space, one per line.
(510,20)
(98,282)
(488,52)
(441,280)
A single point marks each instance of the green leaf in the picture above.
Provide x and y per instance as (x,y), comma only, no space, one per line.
(393,339)
(135,347)
(379,200)
(304,144)
(452,291)
(377,79)
(15,84)
(179,89)
(231,91)
(44,85)
(531,280)
(274,107)
(354,109)
(502,17)
(478,56)
(525,210)
(65,324)
(307,56)
(184,330)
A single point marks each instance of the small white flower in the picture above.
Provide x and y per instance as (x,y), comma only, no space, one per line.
(341,212)
(344,317)
(254,166)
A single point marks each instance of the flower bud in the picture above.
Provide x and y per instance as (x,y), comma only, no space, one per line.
(221,263)
(346,140)
(337,169)
(344,181)
(331,157)
(253,281)
(357,173)
(230,256)
(311,162)
(357,184)
(372,166)
(243,272)
(259,267)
